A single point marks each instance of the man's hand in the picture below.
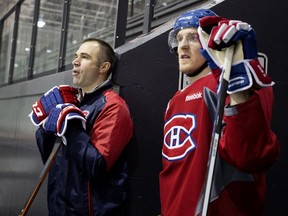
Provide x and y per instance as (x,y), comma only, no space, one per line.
(56,95)
(59,116)
(215,35)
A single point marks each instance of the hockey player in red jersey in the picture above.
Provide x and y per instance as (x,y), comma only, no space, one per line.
(247,147)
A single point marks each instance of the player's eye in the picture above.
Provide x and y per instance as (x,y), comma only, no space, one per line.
(179,39)
(192,38)
(187,39)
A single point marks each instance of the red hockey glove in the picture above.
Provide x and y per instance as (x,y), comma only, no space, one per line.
(58,118)
(216,34)
(56,95)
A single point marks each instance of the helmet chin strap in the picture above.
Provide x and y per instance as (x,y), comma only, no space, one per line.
(200,69)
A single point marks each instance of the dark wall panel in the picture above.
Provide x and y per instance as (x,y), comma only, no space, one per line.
(269,19)
(148,78)
(149,74)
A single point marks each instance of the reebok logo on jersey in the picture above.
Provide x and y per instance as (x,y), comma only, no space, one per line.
(178,136)
(193,96)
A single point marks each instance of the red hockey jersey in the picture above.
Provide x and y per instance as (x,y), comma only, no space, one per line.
(246,149)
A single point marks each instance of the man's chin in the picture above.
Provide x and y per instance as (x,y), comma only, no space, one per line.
(185,68)
(75,81)
(185,71)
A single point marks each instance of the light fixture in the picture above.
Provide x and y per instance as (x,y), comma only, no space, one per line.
(41,23)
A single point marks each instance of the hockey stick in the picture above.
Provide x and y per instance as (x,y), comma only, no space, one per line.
(42,177)
(217,127)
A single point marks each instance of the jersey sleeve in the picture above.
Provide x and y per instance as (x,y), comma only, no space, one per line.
(248,142)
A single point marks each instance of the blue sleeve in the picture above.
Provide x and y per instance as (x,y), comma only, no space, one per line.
(88,159)
(45,143)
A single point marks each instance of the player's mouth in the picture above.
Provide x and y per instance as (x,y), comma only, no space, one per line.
(75,72)
(185,56)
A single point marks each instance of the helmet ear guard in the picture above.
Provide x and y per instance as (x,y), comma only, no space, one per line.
(188,19)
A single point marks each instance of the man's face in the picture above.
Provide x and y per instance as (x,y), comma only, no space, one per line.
(86,66)
(189,56)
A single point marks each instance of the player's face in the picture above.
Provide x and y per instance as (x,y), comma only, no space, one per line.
(189,56)
(86,66)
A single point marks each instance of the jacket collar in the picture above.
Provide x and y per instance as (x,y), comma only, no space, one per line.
(97,90)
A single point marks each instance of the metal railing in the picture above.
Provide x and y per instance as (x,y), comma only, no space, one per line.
(123,29)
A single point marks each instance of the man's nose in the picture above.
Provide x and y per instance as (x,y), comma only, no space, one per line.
(183,43)
(75,61)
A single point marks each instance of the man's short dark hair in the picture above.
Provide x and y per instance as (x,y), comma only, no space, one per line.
(107,53)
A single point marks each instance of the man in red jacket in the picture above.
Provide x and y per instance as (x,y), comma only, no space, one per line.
(247,146)
(90,172)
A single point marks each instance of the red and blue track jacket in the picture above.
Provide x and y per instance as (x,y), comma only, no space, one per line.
(89,174)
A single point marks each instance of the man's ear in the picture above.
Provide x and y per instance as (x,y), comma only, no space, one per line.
(104,67)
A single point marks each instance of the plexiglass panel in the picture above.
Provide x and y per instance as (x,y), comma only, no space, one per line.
(48,37)
(90,19)
(23,41)
(86,19)
(5,54)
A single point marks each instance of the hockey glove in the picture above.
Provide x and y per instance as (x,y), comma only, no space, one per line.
(216,34)
(56,95)
(58,118)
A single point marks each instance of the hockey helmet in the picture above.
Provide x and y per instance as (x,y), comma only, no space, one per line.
(186,20)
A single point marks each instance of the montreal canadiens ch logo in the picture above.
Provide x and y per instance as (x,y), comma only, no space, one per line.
(178,136)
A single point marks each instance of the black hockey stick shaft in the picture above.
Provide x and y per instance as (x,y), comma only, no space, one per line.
(217,128)
(41,177)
